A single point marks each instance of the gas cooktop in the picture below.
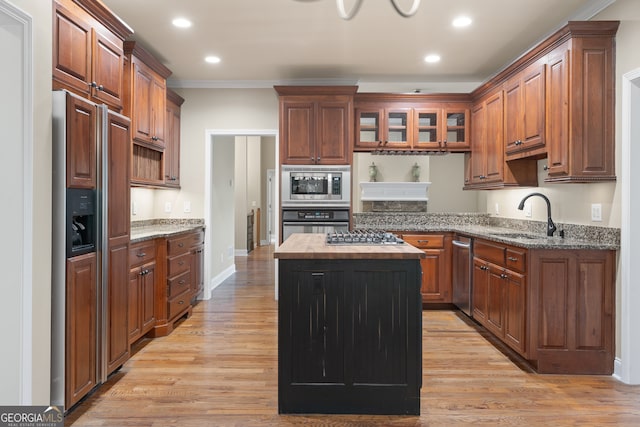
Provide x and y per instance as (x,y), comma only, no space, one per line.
(364,237)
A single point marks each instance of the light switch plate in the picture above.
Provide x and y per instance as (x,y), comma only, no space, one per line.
(187,206)
(596,212)
(167,207)
(527,210)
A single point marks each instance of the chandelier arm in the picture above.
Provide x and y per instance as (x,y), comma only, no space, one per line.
(412,11)
(347,16)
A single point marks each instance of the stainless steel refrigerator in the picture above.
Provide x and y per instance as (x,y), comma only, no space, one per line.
(90,187)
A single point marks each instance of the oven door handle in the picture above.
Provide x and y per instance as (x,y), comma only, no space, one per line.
(315,223)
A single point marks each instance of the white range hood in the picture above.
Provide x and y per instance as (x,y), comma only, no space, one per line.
(394,191)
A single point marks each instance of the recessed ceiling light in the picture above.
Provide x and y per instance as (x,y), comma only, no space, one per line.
(432,59)
(181,23)
(461,21)
(212,59)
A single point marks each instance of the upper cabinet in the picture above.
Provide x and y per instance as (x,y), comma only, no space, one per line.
(581,104)
(315,124)
(486,167)
(88,51)
(145,102)
(558,102)
(148,89)
(524,111)
(386,122)
(172,140)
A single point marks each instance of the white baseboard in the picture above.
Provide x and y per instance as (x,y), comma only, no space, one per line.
(241,252)
(217,281)
(617,369)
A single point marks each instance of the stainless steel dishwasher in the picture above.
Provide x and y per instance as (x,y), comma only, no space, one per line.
(462,273)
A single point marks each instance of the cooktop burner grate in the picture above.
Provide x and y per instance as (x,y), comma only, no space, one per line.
(364,237)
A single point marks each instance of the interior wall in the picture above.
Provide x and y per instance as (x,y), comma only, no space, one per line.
(12,119)
(267,162)
(446,174)
(35,303)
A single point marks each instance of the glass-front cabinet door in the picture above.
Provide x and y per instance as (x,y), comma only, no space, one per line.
(369,128)
(399,125)
(456,129)
(427,133)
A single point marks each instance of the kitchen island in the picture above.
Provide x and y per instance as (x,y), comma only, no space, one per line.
(349,327)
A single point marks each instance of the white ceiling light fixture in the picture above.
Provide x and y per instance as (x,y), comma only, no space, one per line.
(342,11)
(212,59)
(432,58)
(181,23)
(461,21)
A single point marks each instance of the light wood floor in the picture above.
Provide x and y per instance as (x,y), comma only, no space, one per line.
(219,368)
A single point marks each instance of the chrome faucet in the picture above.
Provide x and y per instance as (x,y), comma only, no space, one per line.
(551,227)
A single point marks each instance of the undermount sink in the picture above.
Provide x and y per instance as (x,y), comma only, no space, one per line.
(515,235)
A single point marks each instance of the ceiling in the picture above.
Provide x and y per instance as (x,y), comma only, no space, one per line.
(267,42)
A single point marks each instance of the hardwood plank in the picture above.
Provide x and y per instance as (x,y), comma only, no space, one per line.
(219,367)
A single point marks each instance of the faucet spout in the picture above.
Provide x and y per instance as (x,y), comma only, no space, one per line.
(551,227)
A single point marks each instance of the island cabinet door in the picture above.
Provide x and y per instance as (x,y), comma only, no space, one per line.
(315,329)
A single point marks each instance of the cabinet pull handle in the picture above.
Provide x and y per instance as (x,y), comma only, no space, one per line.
(180,244)
(423,241)
(154,138)
(141,254)
(181,302)
(317,274)
(181,263)
(511,258)
(181,282)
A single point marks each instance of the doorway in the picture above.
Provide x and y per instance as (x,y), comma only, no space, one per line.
(627,367)
(219,198)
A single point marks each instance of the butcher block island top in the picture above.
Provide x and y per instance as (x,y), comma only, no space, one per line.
(314,246)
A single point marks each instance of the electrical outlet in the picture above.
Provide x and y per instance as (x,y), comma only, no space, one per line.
(167,207)
(221,257)
(134,208)
(497,209)
(187,206)
(596,212)
(527,209)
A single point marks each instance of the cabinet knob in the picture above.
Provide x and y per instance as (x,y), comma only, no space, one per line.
(93,84)
(180,245)
(181,282)
(141,254)
(504,276)
(100,88)
(545,167)
(154,138)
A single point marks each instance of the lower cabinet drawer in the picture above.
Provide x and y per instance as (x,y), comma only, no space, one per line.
(178,304)
(179,264)
(424,241)
(179,284)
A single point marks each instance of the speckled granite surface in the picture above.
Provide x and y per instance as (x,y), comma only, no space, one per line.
(153,228)
(533,233)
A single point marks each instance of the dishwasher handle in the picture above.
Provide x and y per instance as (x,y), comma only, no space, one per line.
(461,244)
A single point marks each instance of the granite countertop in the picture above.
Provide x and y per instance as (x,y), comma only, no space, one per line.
(314,246)
(526,234)
(151,229)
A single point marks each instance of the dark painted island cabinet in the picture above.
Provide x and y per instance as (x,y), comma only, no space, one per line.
(349,336)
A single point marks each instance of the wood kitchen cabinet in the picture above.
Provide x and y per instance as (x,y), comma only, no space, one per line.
(411,122)
(142,289)
(316,124)
(553,307)
(581,104)
(571,324)
(81,131)
(436,267)
(172,140)
(80,327)
(499,291)
(88,51)
(486,167)
(117,240)
(352,327)
(145,102)
(524,109)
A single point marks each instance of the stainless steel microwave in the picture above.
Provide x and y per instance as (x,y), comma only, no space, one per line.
(316,185)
